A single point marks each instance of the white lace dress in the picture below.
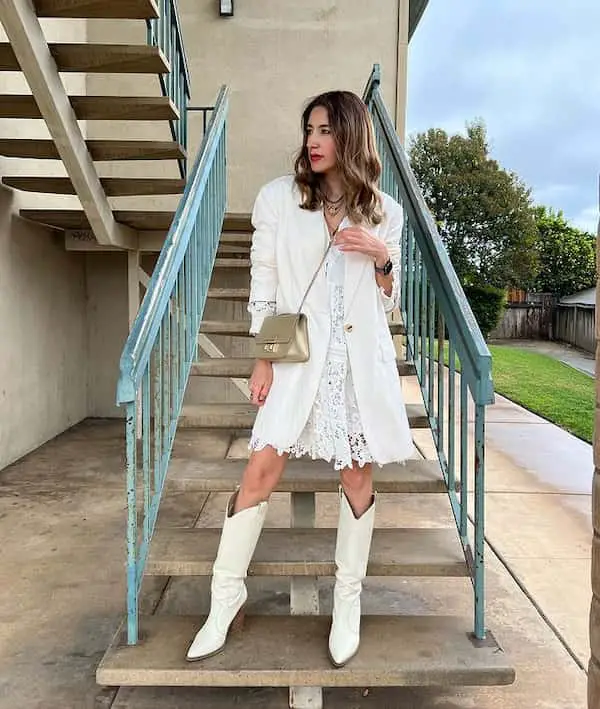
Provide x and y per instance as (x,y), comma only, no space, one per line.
(333,431)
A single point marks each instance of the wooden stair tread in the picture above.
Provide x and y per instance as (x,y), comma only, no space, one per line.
(283,651)
(103,9)
(89,108)
(242,367)
(228,251)
(241,416)
(229,293)
(113,186)
(97,58)
(235,239)
(304,475)
(101,150)
(237,222)
(310,552)
(232,263)
(76,219)
(224,327)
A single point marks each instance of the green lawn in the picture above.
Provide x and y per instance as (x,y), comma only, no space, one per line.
(547,387)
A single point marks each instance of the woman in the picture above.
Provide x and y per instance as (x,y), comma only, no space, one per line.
(344,404)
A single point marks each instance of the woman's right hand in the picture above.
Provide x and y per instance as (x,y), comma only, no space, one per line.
(260,381)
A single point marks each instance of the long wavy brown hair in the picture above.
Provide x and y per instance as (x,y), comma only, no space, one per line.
(356,155)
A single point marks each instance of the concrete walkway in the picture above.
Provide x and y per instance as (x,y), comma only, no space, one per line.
(578,359)
(62,591)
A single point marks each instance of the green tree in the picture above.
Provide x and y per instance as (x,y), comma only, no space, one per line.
(567,255)
(484,214)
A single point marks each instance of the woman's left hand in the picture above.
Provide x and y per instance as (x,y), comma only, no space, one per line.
(357,238)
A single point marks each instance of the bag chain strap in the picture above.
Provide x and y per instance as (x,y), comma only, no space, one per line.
(314,278)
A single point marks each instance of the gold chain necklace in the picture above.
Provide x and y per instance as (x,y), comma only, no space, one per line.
(333,206)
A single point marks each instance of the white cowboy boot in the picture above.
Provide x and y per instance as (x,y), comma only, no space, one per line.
(351,557)
(228,590)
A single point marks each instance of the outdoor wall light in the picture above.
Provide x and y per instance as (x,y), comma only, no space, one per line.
(226,8)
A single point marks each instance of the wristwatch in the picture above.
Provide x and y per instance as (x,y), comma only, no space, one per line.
(386,269)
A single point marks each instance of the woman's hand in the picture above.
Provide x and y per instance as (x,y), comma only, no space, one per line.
(357,238)
(260,381)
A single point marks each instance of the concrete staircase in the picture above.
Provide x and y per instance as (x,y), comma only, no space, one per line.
(291,650)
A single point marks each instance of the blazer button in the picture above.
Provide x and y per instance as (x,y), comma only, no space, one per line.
(348,327)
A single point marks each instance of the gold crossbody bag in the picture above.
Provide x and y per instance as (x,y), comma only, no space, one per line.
(284,338)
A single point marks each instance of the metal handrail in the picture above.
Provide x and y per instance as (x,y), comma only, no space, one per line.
(470,343)
(437,315)
(165,33)
(158,354)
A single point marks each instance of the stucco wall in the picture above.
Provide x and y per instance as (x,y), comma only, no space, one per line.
(43,340)
(43,353)
(273,55)
(107,327)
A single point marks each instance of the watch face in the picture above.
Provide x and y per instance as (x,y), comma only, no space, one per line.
(387,269)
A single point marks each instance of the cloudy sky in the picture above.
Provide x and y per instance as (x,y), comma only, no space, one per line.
(531,70)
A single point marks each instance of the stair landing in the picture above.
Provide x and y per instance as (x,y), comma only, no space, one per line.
(282,651)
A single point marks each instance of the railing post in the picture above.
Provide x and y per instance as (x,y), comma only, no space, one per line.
(429,310)
(478,552)
(132,587)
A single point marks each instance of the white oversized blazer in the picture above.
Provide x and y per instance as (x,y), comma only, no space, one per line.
(287,246)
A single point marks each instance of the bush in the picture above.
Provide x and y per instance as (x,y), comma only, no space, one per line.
(487,304)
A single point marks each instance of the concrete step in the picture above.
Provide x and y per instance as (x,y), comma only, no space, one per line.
(282,651)
(241,416)
(310,552)
(242,367)
(239,328)
(304,475)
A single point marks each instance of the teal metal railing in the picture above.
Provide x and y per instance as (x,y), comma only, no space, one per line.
(162,344)
(164,32)
(452,360)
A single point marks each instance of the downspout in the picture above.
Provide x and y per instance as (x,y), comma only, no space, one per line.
(401,68)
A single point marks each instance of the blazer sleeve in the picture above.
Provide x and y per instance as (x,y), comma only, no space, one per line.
(263,261)
(393,234)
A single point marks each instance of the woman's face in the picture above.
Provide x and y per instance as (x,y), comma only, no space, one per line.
(319,141)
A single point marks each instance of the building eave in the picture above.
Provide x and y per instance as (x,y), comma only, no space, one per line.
(416,10)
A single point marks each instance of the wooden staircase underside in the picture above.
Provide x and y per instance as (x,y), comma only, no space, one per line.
(100,150)
(103,9)
(94,108)
(96,58)
(113,186)
(41,63)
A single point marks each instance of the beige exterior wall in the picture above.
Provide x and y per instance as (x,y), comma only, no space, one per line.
(64,315)
(43,341)
(273,55)
(43,353)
